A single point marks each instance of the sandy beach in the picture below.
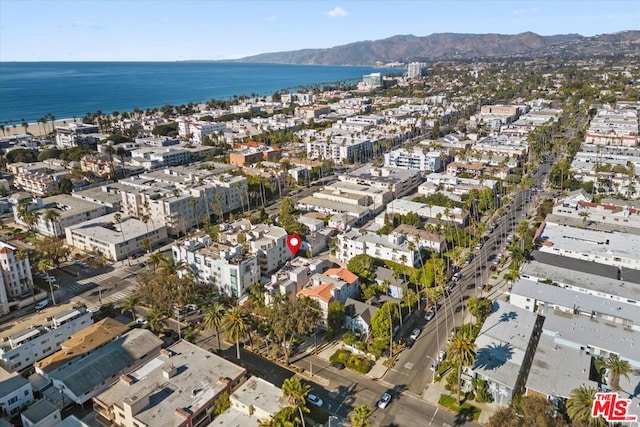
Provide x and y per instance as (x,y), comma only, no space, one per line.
(34,129)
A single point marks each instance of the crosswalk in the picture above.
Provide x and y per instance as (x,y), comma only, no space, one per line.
(124,278)
(113,298)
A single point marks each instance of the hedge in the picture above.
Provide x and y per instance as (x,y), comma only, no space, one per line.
(352,361)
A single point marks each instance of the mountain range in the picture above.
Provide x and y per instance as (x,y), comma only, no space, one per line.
(452,46)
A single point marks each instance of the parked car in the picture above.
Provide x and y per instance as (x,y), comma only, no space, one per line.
(441,356)
(456,277)
(415,334)
(409,342)
(314,400)
(191,307)
(42,304)
(434,366)
(338,365)
(430,314)
(384,401)
(141,321)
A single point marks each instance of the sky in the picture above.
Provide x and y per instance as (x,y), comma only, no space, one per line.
(152,30)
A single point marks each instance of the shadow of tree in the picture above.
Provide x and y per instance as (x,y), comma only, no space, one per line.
(493,356)
(512,315)
(463,416)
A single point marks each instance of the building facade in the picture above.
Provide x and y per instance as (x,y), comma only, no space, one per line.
(15,278)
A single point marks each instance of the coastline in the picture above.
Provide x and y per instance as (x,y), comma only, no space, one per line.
(35,129)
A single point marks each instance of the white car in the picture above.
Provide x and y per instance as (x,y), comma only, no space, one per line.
(141,321)
(384,401)
(441,356)
(415,334)
(430,314)
(314,400)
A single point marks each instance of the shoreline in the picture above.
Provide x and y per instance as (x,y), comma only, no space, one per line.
(35,129)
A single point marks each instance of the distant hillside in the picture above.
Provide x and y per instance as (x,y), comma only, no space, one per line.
(407,48)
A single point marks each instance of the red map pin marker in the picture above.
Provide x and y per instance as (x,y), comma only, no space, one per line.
(294,242)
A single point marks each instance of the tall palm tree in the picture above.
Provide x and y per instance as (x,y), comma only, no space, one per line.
(360,417)
(117,218)
(156,259)
(51,216)
(285,417)
(130,305)
(579,407)
(157,321)
(213,318)
(462,352)
(28,216)
(296,394)
(617,368)
(236,325)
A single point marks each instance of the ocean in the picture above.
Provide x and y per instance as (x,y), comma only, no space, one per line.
(29,90)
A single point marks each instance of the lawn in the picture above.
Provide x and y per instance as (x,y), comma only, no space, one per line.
(466,409)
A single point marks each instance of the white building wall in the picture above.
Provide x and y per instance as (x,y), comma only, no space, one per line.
(17,399)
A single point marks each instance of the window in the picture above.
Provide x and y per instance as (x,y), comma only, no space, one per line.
(26,392)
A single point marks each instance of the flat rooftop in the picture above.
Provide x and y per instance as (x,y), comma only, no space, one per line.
(583,302)
(584,331)
(334,206)
(195,383)
(21,325)
(558,369)
(261,394)
(582,279)
(602,245)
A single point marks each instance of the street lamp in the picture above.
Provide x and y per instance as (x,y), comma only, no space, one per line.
(433,376)
(53,296)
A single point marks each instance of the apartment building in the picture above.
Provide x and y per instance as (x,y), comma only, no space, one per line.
(115,240)
(416,158)
(196,131)
(614,127)
(313,111)
(431,213)
(422,238)
(157,141)
(254,154)
(158,157)
(20,349)
(372,81)
(454,184)
(179,387)
(341,149)
(416,70)
(69,210)
(75,134)
(609,248)
(15,393)
(227,267)
(253,402)
(37,178)
(15,275)
(82,378)
(506,347)
(335,284)
(400,182)
(181,199)
(542,298)
(394,247)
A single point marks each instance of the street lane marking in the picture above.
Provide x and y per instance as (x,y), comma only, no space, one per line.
(434,415)
(408,365)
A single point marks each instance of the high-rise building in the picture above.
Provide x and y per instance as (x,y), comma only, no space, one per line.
(15,275)
(416,69)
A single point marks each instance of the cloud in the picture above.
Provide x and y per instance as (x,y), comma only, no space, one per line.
(336,12)
(86,24)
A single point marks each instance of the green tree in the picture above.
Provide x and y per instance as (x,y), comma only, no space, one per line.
(222,404)
(236,325)
(290,317)
(579,407)
(50,217)
(480,308)
(130,305)
(360,416)
(382,320)
(462,352)
(362,266)
(213,318)
(335,316)
(295,393)
(157,320)
(617,368)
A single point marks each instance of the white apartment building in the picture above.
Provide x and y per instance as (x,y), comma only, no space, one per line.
(341,149)
(70,210)
(400,182)
(611,248)
(15,278)
(225,266)
(455,184)
(157,141)
(15,392)
(613,127)
(157,157)
(379,197)
(430,213)
(197,130)
(394,247)
(72,135)
(373,80)
(416,70)
(115,240)
(422,238)
(37,178)
(416,159)
(597,216)
(182,200)
(20,350)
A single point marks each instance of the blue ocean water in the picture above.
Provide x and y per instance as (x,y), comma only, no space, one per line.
(29,90)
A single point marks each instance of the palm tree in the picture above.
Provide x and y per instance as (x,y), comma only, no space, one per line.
(193,203)
(156,259)
(130,305)
(360,417)
(579,407)
(617,368)
(51,216)
(117,218)
(296,394)
(462,352)
(285,417)
(236,326)
(213,318)
(28,216)
(156,320)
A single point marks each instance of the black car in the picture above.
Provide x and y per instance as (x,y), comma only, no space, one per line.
(337,365)
(409,342)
